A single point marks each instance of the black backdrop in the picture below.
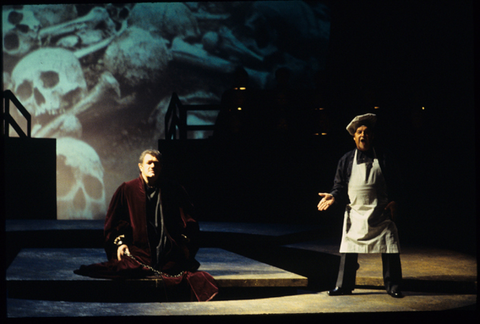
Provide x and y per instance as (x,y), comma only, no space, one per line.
(417,54)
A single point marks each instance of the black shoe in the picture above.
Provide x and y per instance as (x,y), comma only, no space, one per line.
(338,291)
(395,293)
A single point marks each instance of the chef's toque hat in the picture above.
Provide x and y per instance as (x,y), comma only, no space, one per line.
(361,120)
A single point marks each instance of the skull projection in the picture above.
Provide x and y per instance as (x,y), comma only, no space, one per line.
(80,185)
(20,30)
(48,81)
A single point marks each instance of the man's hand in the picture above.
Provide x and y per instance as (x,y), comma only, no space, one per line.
(392,206)
(122,249)
(326,201)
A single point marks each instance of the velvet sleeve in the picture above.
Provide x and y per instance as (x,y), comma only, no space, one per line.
(117,222)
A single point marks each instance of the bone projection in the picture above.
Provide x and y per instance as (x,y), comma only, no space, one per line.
(22,31)
(105,87)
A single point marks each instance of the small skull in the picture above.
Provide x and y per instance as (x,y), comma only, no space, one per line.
(137,58)
(48,81)
(20,30)
(119,12)
(169,20)
(80,185)
(53,14)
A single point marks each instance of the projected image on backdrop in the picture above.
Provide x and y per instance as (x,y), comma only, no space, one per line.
(99,77)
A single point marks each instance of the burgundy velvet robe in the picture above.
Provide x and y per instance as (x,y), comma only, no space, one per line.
(126,216)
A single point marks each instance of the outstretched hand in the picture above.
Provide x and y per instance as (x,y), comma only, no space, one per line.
(326,201)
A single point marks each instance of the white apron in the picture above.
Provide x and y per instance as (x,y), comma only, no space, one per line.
(367,228)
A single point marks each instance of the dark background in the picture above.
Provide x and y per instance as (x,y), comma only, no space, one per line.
(397,55)
(417,53)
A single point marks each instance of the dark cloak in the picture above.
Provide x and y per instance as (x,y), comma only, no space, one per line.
(126,216)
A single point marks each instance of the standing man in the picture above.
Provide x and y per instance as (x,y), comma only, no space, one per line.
(150,230)
(361,182)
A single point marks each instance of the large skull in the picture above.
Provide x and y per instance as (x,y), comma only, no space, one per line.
(48,81)
(80,186)
(19,30)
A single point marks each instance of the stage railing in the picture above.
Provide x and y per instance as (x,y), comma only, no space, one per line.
(8,120)
(176,118)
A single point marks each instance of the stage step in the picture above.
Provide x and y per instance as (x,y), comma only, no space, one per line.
(47,274)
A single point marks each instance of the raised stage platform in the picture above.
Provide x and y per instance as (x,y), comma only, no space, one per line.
(47,274)
(260,269)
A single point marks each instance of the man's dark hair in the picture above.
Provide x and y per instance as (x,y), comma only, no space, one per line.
(155,153)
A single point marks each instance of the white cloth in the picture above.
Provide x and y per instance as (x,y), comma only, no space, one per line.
(367,227)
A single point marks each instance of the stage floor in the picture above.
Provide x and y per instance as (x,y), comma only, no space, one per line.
(47,273)
(434,279)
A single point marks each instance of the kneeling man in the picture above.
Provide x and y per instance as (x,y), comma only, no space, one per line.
(150,231)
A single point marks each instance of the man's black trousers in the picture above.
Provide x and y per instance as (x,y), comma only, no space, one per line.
(392,270)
